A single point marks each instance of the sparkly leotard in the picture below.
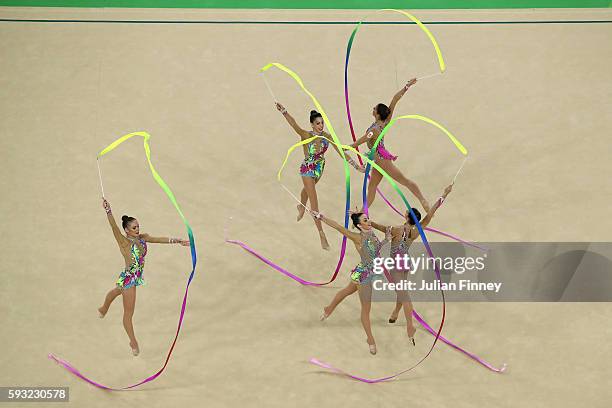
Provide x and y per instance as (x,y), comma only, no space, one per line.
(381,151)
(400,248)
(314,162)
(370,248)
(132,275)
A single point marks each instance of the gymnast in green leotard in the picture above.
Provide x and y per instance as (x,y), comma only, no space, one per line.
(133,247)
(312,167)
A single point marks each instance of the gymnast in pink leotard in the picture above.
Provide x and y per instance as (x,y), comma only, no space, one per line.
(382,115)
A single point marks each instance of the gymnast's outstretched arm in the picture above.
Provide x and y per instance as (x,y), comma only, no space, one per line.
(437,205)
(164,240)
(362,139)
(349,159)
(333,144)
(301,132)
(399,95)
(387,229)
(381,228)
(350,235)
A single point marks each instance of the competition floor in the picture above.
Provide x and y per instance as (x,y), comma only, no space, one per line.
(531,102)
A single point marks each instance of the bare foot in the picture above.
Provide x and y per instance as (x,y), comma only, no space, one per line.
(324,243)
(411,330)
(301,209)
(326,313)
(135,349)
(372,345)
(101,312)
(393,317)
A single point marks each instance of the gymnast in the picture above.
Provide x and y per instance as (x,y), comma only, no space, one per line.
(133,247)
(312,167)
(382,115)
(368,246)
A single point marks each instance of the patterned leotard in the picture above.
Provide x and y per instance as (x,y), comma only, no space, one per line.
(381,151)
(132,275)
(370,248)
(400,248)
(314,162)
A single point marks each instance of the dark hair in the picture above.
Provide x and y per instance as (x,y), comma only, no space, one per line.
(411,220)
(355,218)
(125,220)
(383,111)
(314,115)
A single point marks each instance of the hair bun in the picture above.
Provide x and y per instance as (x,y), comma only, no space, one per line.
(313,112)
(124,218)
(355,218)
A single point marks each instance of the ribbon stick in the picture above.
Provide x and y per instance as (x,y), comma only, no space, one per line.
(429,76)
(100,176)
(459,171)
(268,86)
(172,199)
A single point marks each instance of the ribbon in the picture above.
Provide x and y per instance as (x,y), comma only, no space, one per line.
(349,46)
(427,327)
(347,174)
(170,195)
(348,55)
(436,231)
(453,139)
(473,356)
(442,67)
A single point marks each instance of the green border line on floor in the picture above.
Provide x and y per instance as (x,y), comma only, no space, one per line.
(253,22)
(315,4)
